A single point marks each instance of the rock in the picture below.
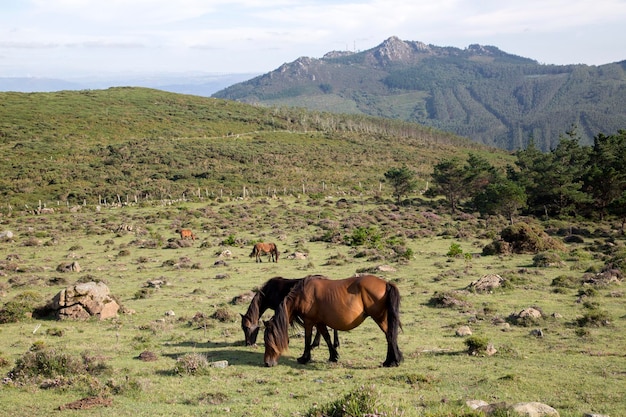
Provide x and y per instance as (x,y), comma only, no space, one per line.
(490,350)
(594,415)
(475,404)
(84,300)
(147,356)
(530,312)
(536,332)
(298,255)
(68,267)
(170,313)
(534,409)
(487,283)
(219,364)
(6,235)
(463,331)
(385,268)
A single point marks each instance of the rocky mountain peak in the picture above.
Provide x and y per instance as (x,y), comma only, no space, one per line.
(393,50)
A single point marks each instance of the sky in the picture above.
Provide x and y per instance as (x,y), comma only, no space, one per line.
(73,38)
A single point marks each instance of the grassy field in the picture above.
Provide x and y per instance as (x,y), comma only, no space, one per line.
(576,366)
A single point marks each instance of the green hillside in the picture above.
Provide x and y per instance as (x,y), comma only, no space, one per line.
(479,92)
(135,143)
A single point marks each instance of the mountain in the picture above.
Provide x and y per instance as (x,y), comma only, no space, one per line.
(195,84)
(480,92)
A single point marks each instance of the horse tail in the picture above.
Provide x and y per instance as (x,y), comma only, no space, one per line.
(254,250)
(394,325)
(275,250)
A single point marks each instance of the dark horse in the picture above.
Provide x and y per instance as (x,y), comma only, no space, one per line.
(340,304)
(269,296)
(263,248)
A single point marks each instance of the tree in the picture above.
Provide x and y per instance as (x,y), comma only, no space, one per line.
(449,177)
(605,179)
(402,180)
(503,197)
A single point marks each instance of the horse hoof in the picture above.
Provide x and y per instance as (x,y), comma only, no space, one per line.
(302,360)
(391,364)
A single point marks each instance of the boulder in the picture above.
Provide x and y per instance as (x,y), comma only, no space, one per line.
(84,300)
(530,312)
(68,267)
(487,283)
(534,409)
(463,331)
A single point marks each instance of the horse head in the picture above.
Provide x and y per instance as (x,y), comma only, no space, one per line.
(272,343)
(250,330)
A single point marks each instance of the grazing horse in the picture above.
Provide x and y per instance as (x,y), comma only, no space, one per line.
(187,234)
(269,296)
(264,248)
(340,304)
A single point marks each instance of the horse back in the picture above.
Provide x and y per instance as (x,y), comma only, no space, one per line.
(341,304)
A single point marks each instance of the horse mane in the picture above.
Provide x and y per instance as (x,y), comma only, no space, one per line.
(254,312)
(290,298)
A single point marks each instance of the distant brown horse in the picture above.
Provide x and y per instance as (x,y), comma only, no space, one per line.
(269,296)
(340,304)
(187,234)
(264,248)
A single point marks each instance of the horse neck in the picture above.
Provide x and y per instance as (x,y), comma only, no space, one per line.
(255,309)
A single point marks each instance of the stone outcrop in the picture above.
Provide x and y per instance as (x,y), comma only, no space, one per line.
(82,301)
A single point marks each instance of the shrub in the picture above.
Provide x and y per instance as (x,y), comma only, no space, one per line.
(594,318)
(455,251)
(476,345)
(363,401)
(192,364)
(448,299)
(566,281)
(230,241)
(547,259)
(525,238)
(43,362)
(363,236)
(19,307)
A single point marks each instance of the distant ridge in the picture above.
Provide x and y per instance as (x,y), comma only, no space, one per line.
(480,92)
(195,84)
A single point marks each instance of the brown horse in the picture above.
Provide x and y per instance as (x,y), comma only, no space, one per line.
(263,248)
(269,296)
(340,304)
(187,234)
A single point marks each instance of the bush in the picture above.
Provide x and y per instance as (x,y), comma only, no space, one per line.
(594,318)
(547,259)
(476,345)
(566,281)
(525,238)
(20,307)
(192,364)
(363,401)
(363,236)
(455,251)
(43,362)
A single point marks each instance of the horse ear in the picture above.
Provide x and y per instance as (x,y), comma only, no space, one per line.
(241,315)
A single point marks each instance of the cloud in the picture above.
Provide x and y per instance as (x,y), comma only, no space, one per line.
(219,33)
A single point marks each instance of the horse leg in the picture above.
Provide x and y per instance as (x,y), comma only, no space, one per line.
(306,355)
(334,355)
(316,340)
(336,337)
